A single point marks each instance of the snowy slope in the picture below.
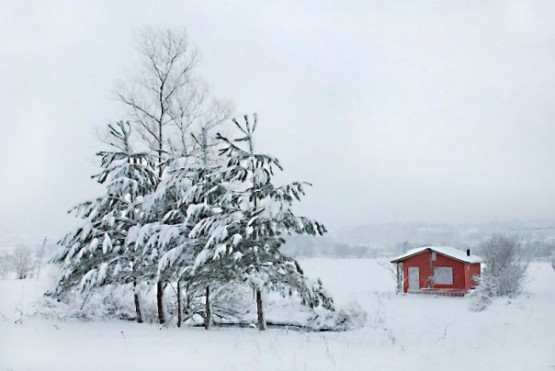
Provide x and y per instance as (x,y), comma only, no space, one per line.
(403,332)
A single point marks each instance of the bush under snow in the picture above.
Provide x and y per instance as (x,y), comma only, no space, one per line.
(504,271)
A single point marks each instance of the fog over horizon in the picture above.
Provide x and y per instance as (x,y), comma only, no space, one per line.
(396,111)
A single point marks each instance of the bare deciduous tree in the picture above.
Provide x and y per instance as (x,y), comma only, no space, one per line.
(168,102)
(166,99)
(22,262)
(152,96)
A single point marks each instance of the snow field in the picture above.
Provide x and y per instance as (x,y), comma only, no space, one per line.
(403,332)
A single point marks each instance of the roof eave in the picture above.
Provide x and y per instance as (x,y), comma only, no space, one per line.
(402,258)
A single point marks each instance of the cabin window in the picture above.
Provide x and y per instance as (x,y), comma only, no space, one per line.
(443,275)
(434,256)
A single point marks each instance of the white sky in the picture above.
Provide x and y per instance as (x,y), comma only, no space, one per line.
(396,110)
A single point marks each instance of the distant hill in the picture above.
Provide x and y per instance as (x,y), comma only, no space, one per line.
(390,234)
(387,239)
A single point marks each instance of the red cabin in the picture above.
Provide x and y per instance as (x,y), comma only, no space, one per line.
(439,270)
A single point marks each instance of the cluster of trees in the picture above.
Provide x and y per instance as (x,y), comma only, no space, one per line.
(23,262)
(538,249)
(187,201)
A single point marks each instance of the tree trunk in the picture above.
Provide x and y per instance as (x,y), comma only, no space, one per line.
(160,302)
(208,310)
(188,300)
(137,303)
(160,132)
(260,311)
(159,286)
(179,318)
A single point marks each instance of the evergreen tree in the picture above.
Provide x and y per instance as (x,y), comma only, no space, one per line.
(98,252)
(200,196)
(183,197)
(252,217)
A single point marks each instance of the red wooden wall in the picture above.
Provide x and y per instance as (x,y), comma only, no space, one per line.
(473,270)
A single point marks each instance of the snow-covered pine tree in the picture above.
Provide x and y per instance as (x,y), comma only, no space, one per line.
(163,239)
(184,196)
(205,202)
(245,235)
(98,252)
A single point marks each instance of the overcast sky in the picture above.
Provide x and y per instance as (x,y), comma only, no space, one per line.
(434,111)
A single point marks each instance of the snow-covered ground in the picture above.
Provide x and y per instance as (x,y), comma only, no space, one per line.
(404,332)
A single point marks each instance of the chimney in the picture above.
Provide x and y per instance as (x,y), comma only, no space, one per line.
(467,252)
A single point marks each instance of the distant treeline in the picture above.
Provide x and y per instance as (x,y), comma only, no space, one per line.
(301,247)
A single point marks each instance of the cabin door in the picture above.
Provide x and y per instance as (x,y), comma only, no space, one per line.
(414,279)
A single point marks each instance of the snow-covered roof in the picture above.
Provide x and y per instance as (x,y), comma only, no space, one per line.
(444,250)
